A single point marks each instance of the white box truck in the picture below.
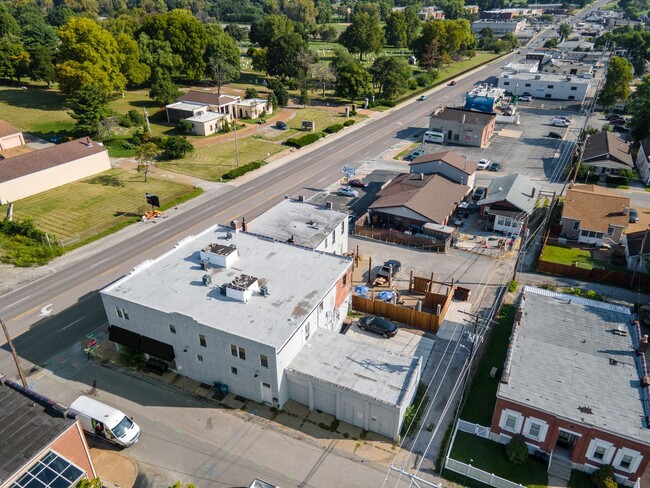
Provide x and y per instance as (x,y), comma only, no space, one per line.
(103,421)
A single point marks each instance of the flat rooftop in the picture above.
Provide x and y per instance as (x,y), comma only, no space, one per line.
(189,106)
(206,117)
(25,429)
(369,370)
(567,360)
(308,224)
(545,77)
(297,279)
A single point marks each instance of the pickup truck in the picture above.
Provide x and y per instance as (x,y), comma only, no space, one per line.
(387,272)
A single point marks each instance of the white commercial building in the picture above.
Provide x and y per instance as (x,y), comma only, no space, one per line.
(499,27)
(245,311)
(314,226)
(554,87)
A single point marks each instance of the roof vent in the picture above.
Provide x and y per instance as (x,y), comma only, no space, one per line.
(328,205)
(264,291)
(205,264)
(207,279)
(613,362)
(88,142)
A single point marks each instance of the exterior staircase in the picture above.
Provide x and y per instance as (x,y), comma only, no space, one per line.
(559,472)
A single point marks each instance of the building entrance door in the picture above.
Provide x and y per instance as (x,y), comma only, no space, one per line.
(267,394)
(566,440)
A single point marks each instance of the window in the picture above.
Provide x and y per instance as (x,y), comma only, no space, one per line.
(122,313)
(342,228)
(506,83)
(550,87)
(119,312)
(576,225)
(500,221)
(345,279)
(172,328)
(534,430)
(527,85)
(548,95)
(571,97)
(333,237)
(307,331)
(264,361)
(202,341)
(599,453)
(511,422)
(233,370)
(238,351)
(199,358)
(626,462)
(574,88)
(51,470)
(610,230)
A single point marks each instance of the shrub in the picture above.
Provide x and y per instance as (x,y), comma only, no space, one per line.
(382,103)
(184,127)
(604,477)
(413,413)
(617,180)
(333,129)
(175,147)
(234,173)
(305,140)
(349,122)
(517,450)
(251,93)
(413,84)
(512,286)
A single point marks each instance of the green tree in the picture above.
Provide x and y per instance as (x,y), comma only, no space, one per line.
(454,9)
(620,74)
(604,477)
(429,47)
(145,156)
(14,60)
(176,147)
(88,54)
(517,450)
(8,24)
(390,76)
(251,93)
(86,483)
(158,55)
(265,31)
(328,33)
(236,32)
(364,35)
(413,24)
(41,67)
(639,107)
(258,57)
(163,91)
(395,29)
(132,67)
(89,107)
(300,11)
(187,38)
(552,42)
(273,100)
(564,30)
(305,98)
(223,57)
(323,11)
(352,81)
(283,58)
(279,91)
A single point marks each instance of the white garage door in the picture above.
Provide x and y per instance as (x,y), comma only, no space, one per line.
(325,401)
(348,414)
(298,392)
(384,425)
(10,141)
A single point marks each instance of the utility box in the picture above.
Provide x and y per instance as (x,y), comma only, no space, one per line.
(462,294)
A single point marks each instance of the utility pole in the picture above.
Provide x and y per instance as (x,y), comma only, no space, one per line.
(13,353)
(236,145)
(638,259)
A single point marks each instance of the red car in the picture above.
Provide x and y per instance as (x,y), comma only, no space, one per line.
(358,183)
(452,82)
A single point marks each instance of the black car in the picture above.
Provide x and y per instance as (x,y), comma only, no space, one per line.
(281,125)
(494,167)
(555,135)
(378,325)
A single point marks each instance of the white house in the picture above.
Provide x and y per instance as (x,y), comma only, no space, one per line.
(253,108)
(239,309)
(643,160)
(207,123)
(555,87)
(314,226)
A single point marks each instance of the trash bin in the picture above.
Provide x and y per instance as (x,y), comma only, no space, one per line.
(223,389)
(462,294)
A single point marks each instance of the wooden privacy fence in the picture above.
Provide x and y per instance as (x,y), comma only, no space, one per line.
(410,316)
(396,237)
(609,277)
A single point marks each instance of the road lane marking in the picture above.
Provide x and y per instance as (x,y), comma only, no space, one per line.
(98,263)
(70,325)
(17,301)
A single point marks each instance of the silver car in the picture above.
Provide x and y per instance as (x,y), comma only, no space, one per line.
(345,191)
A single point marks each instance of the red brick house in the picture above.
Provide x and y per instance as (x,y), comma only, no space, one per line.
(574,386)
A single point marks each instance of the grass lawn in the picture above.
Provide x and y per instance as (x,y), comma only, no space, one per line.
(610,6)
(38,110)
(455,68)
(92,206)
(481,399)
(491,456)
(209,163)
(568,255)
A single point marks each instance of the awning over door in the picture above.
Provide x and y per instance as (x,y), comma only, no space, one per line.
(141,343)
(124,337)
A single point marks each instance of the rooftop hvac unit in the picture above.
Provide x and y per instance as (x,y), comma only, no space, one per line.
(264,291)
(223,289)
(207,279)
(205,264)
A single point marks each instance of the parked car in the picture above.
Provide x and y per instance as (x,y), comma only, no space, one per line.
(526,98)
(415,154)
(494,167)
(612,117)
(358,183)
(422,98)
(555,135)
(479,192)
(281,125)
(562,117)
(620,128)
(483,164)
(1,157)
(345,191)
(633,216)
(559,123)
(452,82)
(378,325)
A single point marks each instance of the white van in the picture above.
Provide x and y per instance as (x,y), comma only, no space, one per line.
(434,136)
(103,421)
(557,122)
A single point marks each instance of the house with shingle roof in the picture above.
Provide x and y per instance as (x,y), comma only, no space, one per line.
(10,136)
(508,202)
(416,200)
(594,215)
(575,386)
(607,152)
(643,160)
(446,163)
(31,173)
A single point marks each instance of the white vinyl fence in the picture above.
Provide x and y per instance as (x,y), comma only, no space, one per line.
(479,475)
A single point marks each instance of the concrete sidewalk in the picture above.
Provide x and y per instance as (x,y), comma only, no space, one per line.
(114,469)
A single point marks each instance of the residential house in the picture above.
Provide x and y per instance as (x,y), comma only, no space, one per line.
(508,202)
(34,172)
(215,317)
(574,385)
(607,154)
(431,13)
(462,127)
(40,447)
(541,85)
(594,215)
(10,136)
(449,164)
(471,9)
(318,227)
(643,160)
(415,200)
(223,104)
(637,258)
